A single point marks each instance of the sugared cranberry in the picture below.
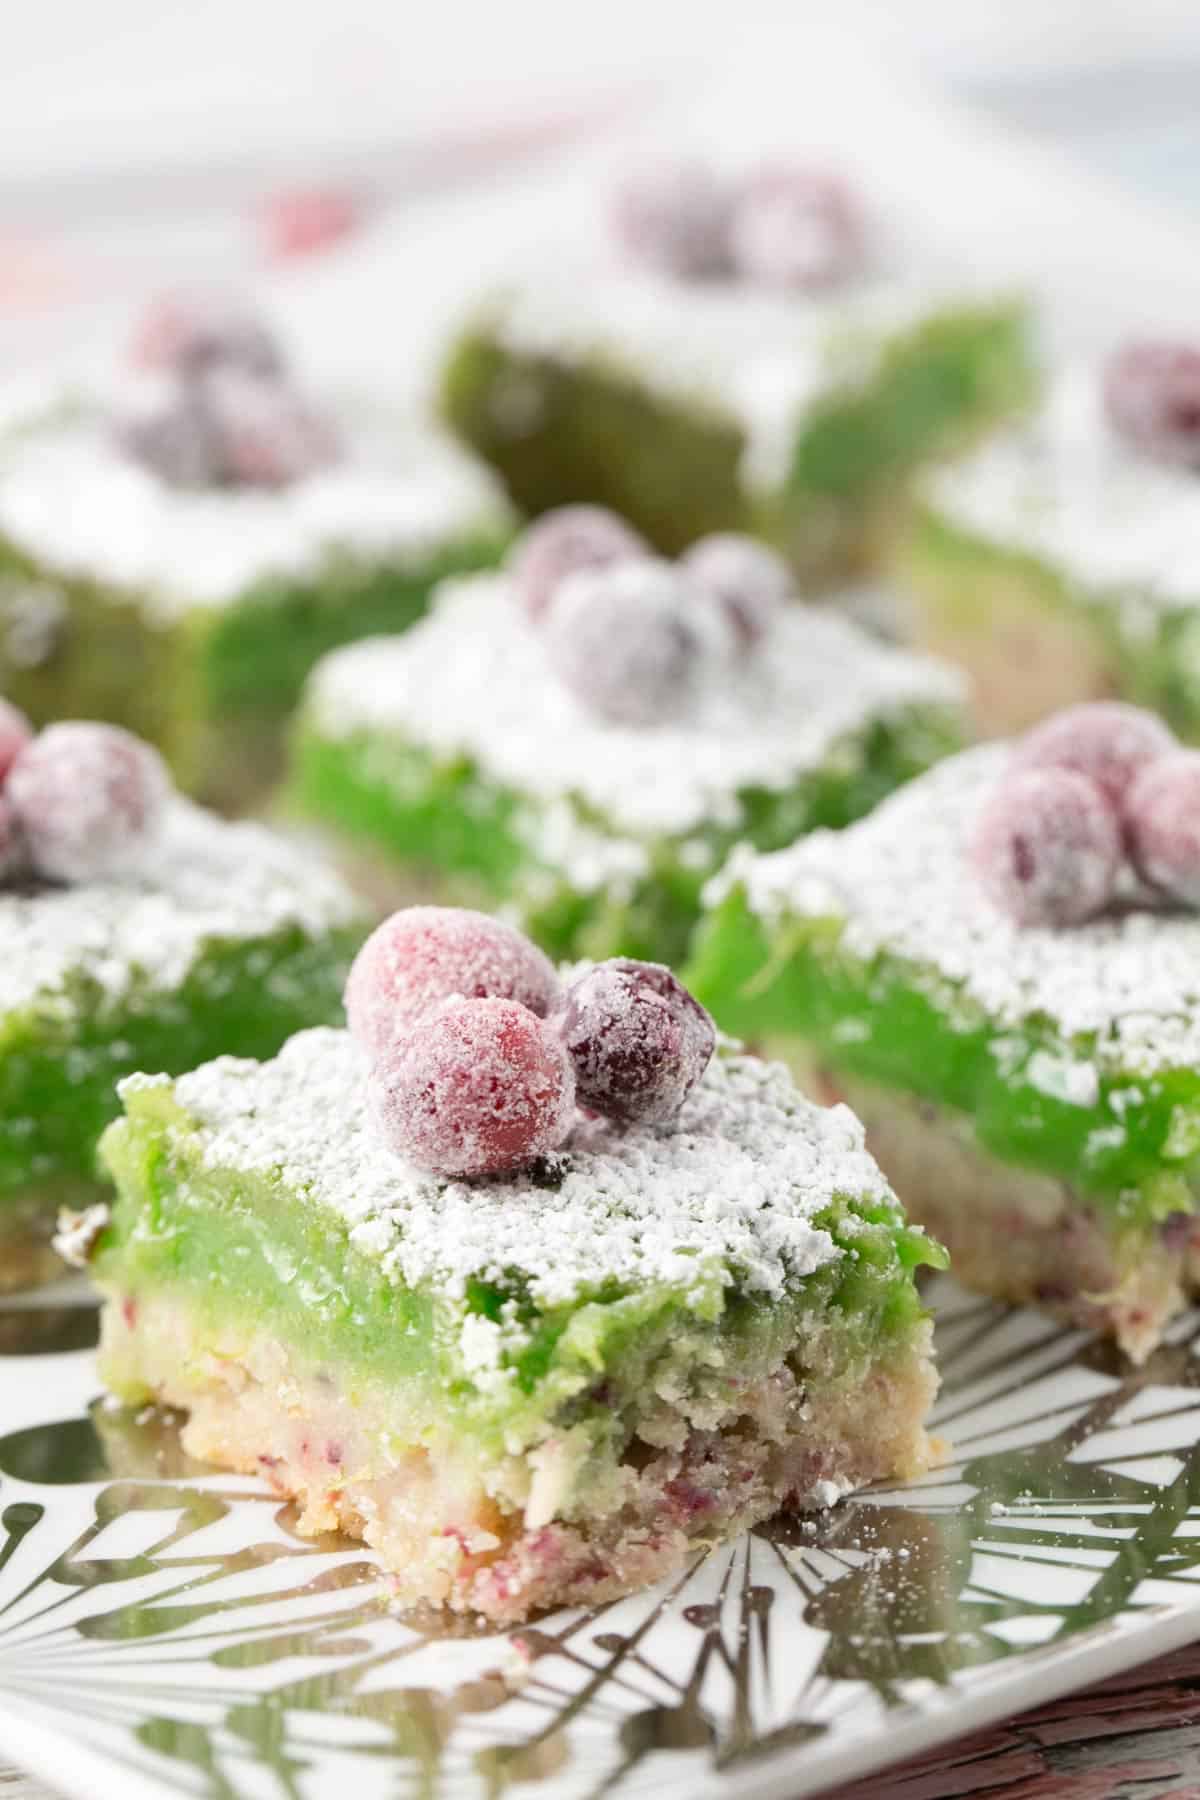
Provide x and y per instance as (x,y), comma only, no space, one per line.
(566,540)
(425,955)
(1106,740)
(750,581)
(796,227)
(1047,847)
(87,797)
(1152,398)
(672,215)
(1162,814)
(190,334)
(478,1088)
(14,857)
(173,435)
(267,434)
(15,733)
(628,641)
(638,1040)
(303,221)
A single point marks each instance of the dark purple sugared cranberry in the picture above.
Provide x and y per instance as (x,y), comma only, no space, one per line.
(87,798)
(477,1088)
(628,641)
(796,227)
(638,1040)
(268,435)
(425,955)
(191,334)
(750,582)
(14,857)
(174,436)
(1047,847)
(564,541)
(1152,398)
(672,215)
(1162,824)
(1106,740)
(15,733)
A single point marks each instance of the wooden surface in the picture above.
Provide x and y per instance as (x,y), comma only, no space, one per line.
(1136,1737)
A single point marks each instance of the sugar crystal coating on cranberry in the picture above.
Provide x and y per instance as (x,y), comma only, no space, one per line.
(750,581)
(563,541)
(1047,847)
(87,798)
(267,434)
(478,1088)
(1106,740)
(1163,825)
(629,641)
(1152,398)
(425,955)
(672,215)
(174,436)
(15,733)
(190,334)
(796,227)
(639,1042)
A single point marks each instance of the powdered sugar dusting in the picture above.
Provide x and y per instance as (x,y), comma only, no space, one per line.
(200,881)
(473,679)
(1068,490)
(1123,990)
(175,547)
(724,1193)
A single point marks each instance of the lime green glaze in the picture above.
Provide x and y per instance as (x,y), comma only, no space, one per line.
(213,687)
(448,817)
(245,1248)
(1136,1151)
(561,431)
(1149,654)
(60,1058)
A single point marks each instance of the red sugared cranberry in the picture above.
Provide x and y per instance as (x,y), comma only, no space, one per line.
(1152,397)
(303,221)
(796,227)
(425,955)
(1047,847)
(1162,823)
(1106,740)
(750,581)
(189,334)
(87,798)
(566,540)
(15,733)
(478,1088)
(638,1040)
(627,640)
(672,215)
(267,435)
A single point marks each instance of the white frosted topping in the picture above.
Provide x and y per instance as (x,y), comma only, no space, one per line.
(201,880)
(760,358)
(727,1190)
(77,505)
(1066,488)
(904,884)
(473,679)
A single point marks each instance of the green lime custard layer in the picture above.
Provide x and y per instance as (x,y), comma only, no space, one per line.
(61,1057)
(445,816)
(212,686)
(1135,1149)
(253,1248)
(969,589)
(558,430)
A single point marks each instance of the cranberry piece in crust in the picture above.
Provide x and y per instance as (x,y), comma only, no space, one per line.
(480,1087)
(87,797)
(563,541)
(638,1040)
(672,215)
(750,581)
(190,334)
(1162,822)
(628,641)
(1152,398)
(796,227)
(1047,847)
(425,955)
(1106,740)
(304,221)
